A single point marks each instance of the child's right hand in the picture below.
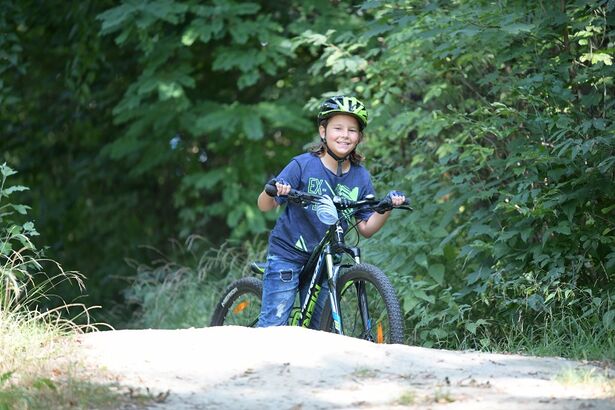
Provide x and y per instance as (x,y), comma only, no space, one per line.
(283,187)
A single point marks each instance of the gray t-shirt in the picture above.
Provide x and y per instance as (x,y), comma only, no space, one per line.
(298,230)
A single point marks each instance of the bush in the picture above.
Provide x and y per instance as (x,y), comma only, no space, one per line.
(499,120)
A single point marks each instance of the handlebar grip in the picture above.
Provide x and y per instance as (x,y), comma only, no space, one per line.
(271,190)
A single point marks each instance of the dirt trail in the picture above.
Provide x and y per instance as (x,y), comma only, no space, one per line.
(292,368)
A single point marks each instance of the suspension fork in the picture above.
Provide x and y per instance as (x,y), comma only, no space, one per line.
(364,309)
(332,281)
(362,297)
(332,275)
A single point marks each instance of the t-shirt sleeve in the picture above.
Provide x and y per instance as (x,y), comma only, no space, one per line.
(367,188)
(291,174)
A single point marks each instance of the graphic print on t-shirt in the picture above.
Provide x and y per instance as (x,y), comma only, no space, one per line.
(341,190)
(300,244)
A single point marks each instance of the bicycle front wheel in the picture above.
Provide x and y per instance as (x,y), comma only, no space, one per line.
(240,305)
(369,308)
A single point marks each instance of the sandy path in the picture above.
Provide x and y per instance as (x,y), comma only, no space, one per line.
(294,368)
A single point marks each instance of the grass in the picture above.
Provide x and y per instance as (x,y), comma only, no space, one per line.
(564,334)
(407,398)
(38,369)
(567,336)
(38,364)
(601,379)
(364,373)
(179,289)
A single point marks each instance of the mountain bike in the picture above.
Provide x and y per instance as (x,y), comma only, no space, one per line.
(362,301)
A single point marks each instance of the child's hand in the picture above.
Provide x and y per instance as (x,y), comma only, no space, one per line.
(282,187)
(397,198)
(392,200)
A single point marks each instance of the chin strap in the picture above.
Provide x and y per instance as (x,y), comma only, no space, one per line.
(340,161)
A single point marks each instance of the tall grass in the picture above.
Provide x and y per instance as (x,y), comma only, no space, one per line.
(37,365)
(38,369)
(179,288)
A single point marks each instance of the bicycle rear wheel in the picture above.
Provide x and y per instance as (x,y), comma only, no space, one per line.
(369,308)
(240,305)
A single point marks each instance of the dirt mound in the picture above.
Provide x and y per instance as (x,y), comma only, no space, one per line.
(294,368)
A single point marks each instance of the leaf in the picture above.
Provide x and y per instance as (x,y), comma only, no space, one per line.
(113,18)
(22,209)
(436,271)
(44,382)
(595,58)
(471,327)
(252,126)
(563,228)
(6,170)
(480,229)
(204,180)
(5,248)
(4,377)
(15,188)
(536,303)
(421,260)
(422,295)
(516,28)
(608,319)
(248,79)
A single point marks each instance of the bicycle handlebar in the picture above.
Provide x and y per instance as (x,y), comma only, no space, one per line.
(340,203)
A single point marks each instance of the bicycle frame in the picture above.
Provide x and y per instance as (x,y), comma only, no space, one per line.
(322,256)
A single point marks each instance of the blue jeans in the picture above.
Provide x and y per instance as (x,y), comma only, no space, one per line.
(280,285)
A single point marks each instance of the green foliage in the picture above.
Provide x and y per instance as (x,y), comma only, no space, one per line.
(219,113)
(18,255)
(503,129)
(180,289)
(27,278)
(33,323)
(13,236)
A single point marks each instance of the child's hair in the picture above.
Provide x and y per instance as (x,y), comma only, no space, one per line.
(319,149)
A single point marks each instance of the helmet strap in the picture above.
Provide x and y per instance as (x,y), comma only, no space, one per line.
(340,161)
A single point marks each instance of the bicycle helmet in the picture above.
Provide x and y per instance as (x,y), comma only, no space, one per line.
(342,104)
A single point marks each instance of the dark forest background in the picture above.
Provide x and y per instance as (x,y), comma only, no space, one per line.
(139,126)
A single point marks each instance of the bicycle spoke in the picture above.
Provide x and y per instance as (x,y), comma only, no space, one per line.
(244,312)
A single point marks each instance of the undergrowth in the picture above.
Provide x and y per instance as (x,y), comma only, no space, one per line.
(179,288)
(38,369)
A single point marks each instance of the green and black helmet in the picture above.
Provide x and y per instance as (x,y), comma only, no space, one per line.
(343,105)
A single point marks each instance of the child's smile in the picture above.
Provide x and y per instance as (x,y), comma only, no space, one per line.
(342,134)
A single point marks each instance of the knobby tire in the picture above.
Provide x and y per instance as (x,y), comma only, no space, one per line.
(386,318)
(240,305)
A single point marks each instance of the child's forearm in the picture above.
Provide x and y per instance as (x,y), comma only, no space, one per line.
(373,224)
(265,202)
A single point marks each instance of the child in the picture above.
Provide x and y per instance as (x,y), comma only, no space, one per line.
(333,168)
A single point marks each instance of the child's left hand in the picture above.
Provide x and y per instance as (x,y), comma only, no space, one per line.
(397,198)
(391,200)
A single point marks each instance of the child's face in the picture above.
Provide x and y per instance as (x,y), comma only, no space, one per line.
(342,134)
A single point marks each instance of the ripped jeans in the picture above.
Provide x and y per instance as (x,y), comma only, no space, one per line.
(280,285)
